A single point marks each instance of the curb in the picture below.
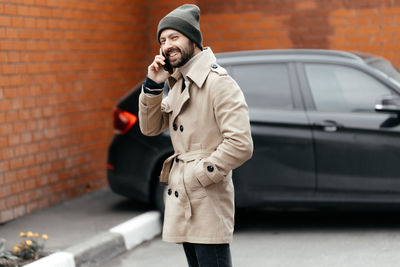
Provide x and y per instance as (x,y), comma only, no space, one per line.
(106,245)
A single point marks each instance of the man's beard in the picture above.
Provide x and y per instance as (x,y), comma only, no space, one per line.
(186,55)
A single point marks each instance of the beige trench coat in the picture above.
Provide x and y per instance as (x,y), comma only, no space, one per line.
(210,132)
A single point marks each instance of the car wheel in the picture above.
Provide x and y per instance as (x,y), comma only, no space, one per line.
(160,195)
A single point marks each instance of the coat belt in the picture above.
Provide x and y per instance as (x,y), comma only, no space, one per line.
(185,157)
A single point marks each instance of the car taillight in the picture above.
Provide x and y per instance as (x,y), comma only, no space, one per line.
(123,121)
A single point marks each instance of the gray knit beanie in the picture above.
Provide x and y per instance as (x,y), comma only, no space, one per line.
(184,19)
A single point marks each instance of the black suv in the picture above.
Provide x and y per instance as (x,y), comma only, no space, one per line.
(325,126)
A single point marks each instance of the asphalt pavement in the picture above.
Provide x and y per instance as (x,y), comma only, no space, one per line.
(98,220)
(292,239)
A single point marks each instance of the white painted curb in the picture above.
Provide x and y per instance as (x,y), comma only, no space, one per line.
(59,259)
(139,229)
(134,232)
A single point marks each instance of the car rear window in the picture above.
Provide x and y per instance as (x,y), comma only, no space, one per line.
(264,85)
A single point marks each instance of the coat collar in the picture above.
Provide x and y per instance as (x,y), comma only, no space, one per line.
(197,70)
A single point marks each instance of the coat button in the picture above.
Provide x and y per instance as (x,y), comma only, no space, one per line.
(176,159)
(214,66)
(181,128)
(169,191)
(175,127)
(210,168)
(176,194)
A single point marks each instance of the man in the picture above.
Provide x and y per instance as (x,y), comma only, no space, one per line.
(207,116)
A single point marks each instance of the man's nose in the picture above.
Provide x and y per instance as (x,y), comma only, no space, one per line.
(167,45)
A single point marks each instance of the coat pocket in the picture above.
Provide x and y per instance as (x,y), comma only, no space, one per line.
(193,187)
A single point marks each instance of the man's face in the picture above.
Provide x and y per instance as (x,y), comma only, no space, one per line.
(176,47)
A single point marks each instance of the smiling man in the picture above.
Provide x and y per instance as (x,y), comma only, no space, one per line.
(207,116)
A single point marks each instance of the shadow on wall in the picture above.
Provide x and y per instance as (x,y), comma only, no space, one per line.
(310,28)
(308,23)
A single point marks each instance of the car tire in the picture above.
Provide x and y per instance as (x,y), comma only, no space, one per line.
(160,195)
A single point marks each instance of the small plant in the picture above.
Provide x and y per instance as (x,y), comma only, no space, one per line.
(31,247)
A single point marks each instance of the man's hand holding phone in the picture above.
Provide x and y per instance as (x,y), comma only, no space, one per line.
(159,70)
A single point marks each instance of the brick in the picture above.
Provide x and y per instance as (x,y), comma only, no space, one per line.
(358,39)
(338,21)
(12,201)
(14,139)
(369,30)
(35,11)
(390,29)
(390,46)
(2,118)
(19,211)
(390,11)
(367,12)
(22,174)
(5,129)
(6,153)
(11,116)
(16,163)
(42,23)
(29,22)
(5,21)
(304,5)
(10,92)
(17,22)
(2,33)
(346,31)
(23,11)
(8,69)
(343,13)
(387,20)
(6,215)
(15,80)
(6,45)
(371,48)
(13,57)
(10,9)
(29,184)
(4,166)
(3,57)
(32,206)
(29,2)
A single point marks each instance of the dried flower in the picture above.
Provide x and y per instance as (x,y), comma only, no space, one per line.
(16,250)
(31,247)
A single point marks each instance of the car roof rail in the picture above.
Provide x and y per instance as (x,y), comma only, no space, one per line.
(314,52)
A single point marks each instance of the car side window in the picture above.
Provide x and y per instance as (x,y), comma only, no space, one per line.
(264,85)
(338,88)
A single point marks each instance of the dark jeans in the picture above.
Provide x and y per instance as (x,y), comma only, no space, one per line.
(208,255)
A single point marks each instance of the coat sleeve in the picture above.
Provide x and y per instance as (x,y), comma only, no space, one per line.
(152,118)
(232,117)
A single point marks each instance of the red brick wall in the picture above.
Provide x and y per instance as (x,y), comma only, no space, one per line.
(64,63)
(355,25)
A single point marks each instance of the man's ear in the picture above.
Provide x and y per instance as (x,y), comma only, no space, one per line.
(196,47)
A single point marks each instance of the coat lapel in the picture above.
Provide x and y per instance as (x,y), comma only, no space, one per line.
(197,74)
(180,100)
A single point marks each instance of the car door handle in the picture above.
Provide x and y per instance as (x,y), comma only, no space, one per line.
(328,125)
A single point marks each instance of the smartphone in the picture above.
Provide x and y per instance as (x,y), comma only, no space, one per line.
(167,65)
